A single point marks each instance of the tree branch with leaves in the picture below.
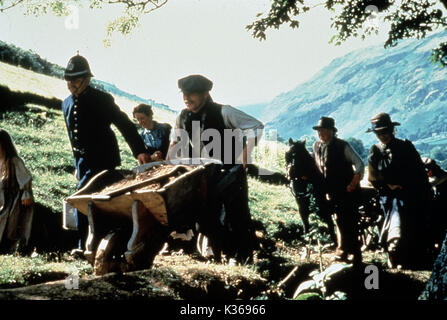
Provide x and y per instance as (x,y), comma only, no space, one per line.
(407,18)
(350,18)
(132,10)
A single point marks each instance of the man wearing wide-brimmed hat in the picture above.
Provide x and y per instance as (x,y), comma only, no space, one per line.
(89,114)
(397,172)
(342,170)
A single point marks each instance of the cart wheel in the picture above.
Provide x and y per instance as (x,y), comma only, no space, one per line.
(109,254)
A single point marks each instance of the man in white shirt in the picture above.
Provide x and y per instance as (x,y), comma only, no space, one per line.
(233,135)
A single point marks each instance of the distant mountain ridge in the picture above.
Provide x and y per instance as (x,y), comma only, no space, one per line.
(256,110)
(353,88)
(115,90)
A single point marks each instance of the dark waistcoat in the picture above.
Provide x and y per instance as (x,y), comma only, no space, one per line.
(339,171)
(210,117)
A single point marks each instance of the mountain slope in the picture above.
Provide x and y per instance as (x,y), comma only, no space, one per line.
(256,110)
(401,81)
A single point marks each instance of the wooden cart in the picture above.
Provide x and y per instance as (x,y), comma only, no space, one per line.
(128,225)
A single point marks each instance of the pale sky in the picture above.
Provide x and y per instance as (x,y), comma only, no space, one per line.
(188,37)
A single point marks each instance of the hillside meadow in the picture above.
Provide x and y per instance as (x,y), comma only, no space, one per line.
(284,260)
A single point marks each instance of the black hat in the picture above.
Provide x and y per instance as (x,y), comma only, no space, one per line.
(326,123)
(77,67)
(195,84)
(382,122)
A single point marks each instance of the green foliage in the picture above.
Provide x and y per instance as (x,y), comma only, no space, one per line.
(309,296)
(17,271)
(270,155)
(358,147)
(318,284)
(350,18)
(132,10)
(275,207)
(438,153)
(281,11)
(41,139)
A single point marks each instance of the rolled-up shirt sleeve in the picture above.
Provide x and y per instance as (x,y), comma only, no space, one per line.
(236,119)
(354,158)
(175,134)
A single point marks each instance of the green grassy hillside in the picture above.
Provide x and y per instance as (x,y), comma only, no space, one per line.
(40,136)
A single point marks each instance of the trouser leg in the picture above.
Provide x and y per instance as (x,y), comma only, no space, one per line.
(325,211)
(81,219)
(299,191)
(347,224)
(82,225)
(241,237)
(303,208)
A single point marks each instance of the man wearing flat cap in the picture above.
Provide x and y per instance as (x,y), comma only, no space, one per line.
(202,116)
(342,170)
(89,114)
(396,170)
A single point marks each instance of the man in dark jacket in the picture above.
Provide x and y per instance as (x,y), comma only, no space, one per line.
(335,159)
(89,114)
(397,172)
(201,117)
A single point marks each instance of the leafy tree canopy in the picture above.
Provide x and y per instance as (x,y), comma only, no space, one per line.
(350,18)
(132,10)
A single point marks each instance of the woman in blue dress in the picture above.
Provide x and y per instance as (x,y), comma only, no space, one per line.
(155,135)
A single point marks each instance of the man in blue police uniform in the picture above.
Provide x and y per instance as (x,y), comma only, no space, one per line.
(89,114)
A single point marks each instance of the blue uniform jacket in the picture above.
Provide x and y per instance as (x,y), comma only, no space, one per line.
(88,119)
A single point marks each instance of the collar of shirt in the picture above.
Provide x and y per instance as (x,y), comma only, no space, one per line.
(154,128)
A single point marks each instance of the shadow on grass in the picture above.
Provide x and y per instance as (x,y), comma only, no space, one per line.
(47,234)
(12,99)
(290,233)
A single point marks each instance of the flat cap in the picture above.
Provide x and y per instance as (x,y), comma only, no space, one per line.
(195,84)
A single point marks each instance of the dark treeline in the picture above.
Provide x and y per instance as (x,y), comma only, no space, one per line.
(30,60)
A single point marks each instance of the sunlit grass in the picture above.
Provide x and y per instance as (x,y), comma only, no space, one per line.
(18,271)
